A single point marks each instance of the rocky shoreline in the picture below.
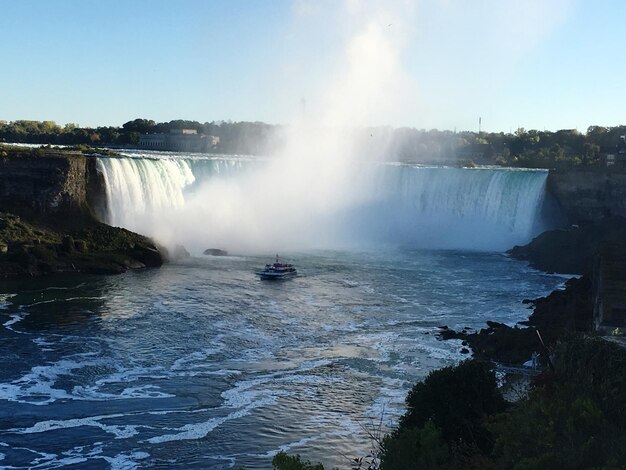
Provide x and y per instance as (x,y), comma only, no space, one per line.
(33,250)
(577,308)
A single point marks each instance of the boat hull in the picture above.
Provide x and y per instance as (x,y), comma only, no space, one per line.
(276,276)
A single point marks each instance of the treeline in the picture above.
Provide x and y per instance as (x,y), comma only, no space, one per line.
(523,148)
(251,138)
(49,132)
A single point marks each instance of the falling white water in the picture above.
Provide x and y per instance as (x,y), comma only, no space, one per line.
(136,187)
(190,202)
(480,209)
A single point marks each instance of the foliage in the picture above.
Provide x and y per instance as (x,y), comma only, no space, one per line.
(597,368)
(34,248)
(282,461)
(414,448)
(556,427)
(455,399)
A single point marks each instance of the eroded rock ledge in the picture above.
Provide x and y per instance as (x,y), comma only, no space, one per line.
(51,201)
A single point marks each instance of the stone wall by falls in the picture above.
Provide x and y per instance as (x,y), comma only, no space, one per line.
(586,195)
(50,183)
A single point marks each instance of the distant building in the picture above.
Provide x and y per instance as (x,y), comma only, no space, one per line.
(153,141)
(616,156)
(179,140)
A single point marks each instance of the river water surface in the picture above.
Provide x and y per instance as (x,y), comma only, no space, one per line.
(200,364)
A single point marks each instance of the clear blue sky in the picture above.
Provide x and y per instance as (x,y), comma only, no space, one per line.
(549,64)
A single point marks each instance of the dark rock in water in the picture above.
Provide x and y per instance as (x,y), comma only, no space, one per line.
(215,252)
(450,334)
(148,255)
(495,324)
(465,351)
(502,344)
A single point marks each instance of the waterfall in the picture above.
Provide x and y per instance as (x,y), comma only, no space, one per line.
(218,202)
(482,208)
(139,187)
(136,186)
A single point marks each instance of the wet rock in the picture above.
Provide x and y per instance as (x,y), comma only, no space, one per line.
(215,252)
(147,255)
(450,334)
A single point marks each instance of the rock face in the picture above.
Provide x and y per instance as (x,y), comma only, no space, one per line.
(571,251)
(51,202)
(586,195)
(50,184)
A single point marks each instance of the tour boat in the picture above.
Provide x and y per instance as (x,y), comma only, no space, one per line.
(278,270)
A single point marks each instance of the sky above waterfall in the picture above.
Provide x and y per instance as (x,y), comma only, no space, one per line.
(539,64)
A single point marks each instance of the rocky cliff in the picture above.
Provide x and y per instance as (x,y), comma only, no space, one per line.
(51,204)
(587,195)
(50,184)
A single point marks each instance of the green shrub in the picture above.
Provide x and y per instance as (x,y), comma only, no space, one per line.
(456,399)
(282,461)
(414,448)
(555,428)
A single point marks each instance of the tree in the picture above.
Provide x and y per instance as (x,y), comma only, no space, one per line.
(142,126)
(282,461)
(555,427)
(414,448)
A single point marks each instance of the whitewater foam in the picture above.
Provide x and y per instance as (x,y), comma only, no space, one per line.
(15,318)
(119,431)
